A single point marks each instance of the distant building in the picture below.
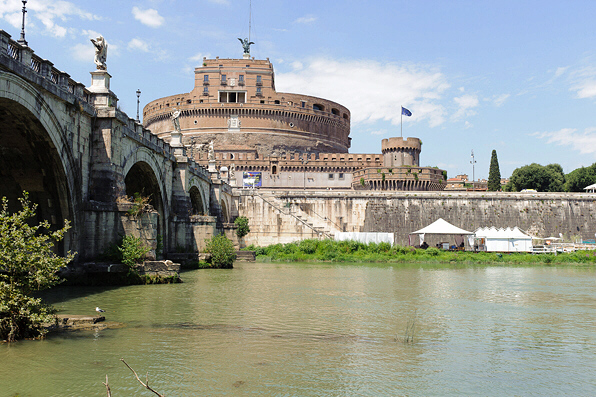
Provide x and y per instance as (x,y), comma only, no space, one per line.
(281,140)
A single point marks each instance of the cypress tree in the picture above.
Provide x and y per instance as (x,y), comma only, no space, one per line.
(494,174)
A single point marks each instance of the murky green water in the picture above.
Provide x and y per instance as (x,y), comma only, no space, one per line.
(324,330)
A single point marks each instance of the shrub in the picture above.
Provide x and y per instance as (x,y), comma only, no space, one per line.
(133,251)
(222,252)
(308,246)
(242,229)
(27,264)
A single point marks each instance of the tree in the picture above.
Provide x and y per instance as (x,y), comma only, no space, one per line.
(494,174)
(548,178)
(222,252)
(242,226)
(28,263)
(579,178)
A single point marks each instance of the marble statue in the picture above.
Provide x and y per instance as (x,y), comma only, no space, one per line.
(175,118)
(101,53)
(211,151)
(232,171)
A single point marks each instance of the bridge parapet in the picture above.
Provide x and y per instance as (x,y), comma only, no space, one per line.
(22,60)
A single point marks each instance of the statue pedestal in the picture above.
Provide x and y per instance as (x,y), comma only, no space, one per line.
(212,166)
(246,56)
(176,139)
(232,181)
(100,88)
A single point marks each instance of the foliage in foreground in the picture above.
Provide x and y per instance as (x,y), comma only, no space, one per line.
(27,264)
(355,252)
(242,229)
(133,251)
(222,252)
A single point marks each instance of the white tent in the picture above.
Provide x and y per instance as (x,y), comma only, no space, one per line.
(502,240)
(440,226)
(590,189)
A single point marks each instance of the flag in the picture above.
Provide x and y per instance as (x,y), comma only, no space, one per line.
(405,111)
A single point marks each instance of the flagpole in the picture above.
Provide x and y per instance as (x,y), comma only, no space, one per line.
(401,122)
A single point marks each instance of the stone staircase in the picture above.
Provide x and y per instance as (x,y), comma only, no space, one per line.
(321,226)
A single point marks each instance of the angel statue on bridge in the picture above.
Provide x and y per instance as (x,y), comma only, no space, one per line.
(246,45)
(101,52)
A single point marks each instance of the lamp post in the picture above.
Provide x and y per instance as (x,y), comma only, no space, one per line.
(22,40)
(138,102)
(473,176)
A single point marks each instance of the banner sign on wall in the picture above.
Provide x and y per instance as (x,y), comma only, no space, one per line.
(251,179)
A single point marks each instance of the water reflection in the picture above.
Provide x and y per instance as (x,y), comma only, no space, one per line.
(318,330)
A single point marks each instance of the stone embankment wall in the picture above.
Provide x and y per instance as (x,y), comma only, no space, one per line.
(539,214)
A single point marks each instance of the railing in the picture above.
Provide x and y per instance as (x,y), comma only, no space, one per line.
(327,235)
(44,68)
(13,50)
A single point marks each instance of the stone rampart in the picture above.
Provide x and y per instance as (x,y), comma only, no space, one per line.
(274,218)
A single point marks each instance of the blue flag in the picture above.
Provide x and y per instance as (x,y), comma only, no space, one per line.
(405,112)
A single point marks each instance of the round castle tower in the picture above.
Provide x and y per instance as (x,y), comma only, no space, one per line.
(400,151)
(234,104)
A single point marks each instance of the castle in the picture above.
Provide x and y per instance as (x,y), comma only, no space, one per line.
(261,137)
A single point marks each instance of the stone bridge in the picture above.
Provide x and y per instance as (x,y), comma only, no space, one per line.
(81,158)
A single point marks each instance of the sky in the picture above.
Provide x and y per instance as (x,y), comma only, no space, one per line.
(518,77)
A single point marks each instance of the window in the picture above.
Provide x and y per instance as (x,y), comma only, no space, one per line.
(206,78)
(232,96)
(331,176)
(205,90)
(303,104)
(341,175)
(259,93)
(277,102)
(318,107)
(241,78)
(223,78)
(259,81)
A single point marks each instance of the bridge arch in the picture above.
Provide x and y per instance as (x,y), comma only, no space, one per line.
(198,206)
(36,155)
(145,162)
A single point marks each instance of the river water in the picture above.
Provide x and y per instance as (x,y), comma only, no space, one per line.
(324,330)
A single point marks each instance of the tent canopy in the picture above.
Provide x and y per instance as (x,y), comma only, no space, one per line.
(591,188)
(492,232)
(441,226)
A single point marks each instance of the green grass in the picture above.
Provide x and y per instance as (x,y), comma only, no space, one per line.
(355,252)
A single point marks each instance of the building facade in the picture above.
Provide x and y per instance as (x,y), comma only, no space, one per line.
(266,138)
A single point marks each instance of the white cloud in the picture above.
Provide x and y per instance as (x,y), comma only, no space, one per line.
(584,82)
(379,132)
(49,11)
(468,125)
(583,142)
(560,71)
(138,44)
(500,100)
(371,90)
(83,52)
(465,103)
(306,19)
(149,17)
(199,57)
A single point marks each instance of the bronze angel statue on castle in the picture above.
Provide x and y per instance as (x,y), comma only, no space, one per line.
(246,45)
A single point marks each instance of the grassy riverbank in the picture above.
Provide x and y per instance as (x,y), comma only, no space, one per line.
(355,252)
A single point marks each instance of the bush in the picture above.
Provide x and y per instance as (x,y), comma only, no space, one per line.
(242,229)
(133,251)
(27,264)
(222,252)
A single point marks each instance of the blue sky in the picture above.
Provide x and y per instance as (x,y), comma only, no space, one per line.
(515,76)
